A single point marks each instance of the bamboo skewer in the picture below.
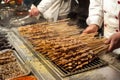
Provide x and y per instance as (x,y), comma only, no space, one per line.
(61,46)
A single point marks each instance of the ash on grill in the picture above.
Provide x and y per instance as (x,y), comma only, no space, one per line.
(63,44)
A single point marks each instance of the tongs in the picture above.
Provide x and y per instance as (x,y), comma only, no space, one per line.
(19,20)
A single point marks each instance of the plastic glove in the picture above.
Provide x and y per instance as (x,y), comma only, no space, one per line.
(34,12)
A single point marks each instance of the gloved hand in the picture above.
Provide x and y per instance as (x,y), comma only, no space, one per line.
(6,1)
(34,12)
(114,41)
(91,29)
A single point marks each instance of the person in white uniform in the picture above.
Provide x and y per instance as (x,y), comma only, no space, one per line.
(109,12)
(51,10)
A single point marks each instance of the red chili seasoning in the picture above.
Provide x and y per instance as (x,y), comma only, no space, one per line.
(25,78)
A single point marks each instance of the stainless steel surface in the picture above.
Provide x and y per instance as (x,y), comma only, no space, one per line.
(105,73)
(45,73)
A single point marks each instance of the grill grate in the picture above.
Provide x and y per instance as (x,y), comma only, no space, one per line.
(96,63)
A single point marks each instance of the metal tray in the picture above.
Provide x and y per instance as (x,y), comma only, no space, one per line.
(20,63)
(97,63)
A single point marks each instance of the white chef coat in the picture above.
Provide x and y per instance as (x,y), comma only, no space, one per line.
(51,9)
(107,10)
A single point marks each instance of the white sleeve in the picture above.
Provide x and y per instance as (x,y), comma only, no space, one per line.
(45,4)
(95,13)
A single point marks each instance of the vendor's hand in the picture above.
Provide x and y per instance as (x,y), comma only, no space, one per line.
(91,29)
(34,12)
(7,1)
(114,41)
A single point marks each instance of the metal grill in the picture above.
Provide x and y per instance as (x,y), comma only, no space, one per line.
(96,63)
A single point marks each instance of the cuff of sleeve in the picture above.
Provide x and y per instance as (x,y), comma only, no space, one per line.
(95,20)
(41,9)
(32,6)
